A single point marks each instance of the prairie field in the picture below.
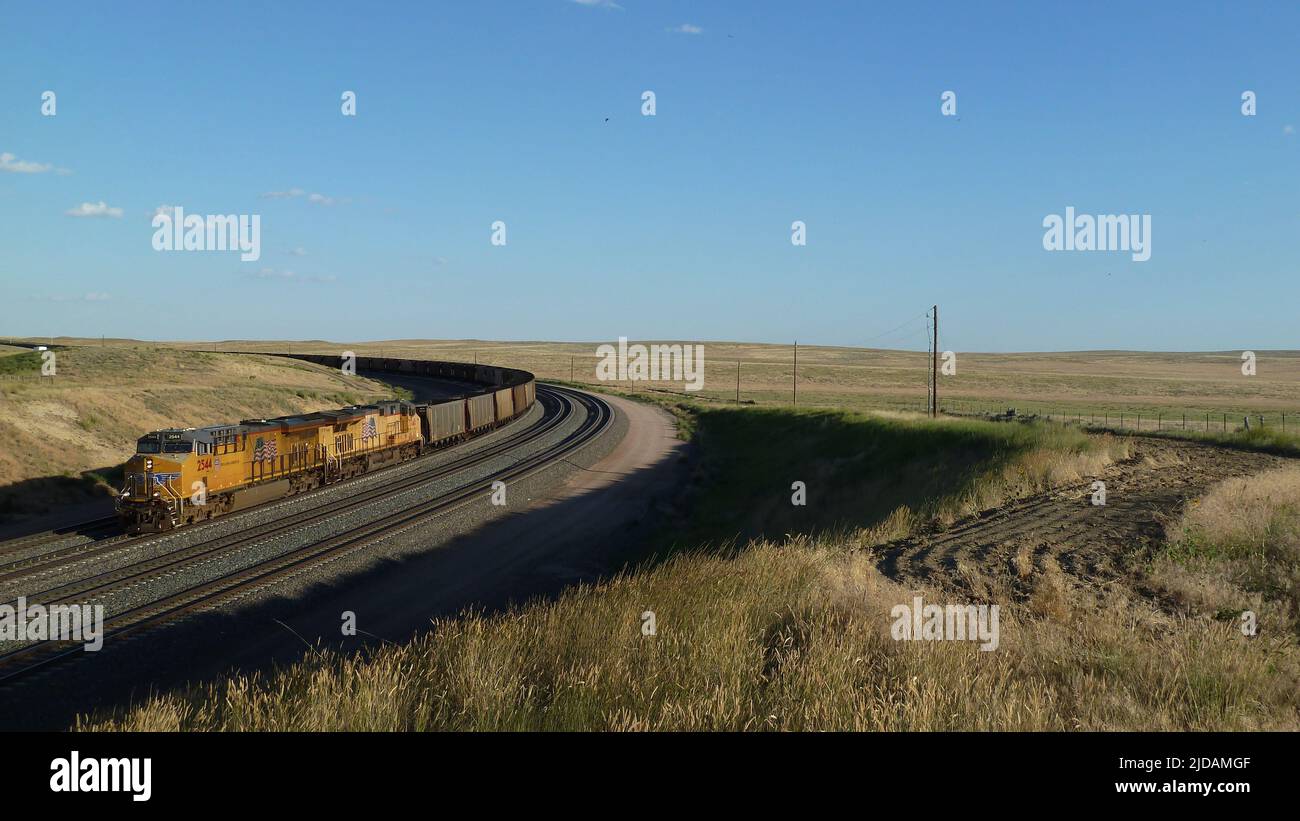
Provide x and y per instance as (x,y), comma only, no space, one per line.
(1065,383)
(1086,382)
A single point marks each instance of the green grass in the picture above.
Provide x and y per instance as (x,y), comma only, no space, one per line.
(20,363)
(859,470)
(1264,440)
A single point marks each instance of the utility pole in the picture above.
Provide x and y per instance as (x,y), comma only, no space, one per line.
(934,367)
(929,397)
(737,381)
(796,373)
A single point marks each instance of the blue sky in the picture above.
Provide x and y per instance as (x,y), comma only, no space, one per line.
(675,226)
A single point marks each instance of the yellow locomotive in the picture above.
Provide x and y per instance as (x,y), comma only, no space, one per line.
(178,477)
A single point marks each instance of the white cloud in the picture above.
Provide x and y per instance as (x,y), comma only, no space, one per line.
(294,193)
(604,4)
(687,28)
(1288,129)
(291,276)
(94,209)
(89,296)
(299,252)
(8,162)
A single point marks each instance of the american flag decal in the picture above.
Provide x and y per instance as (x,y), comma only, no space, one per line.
(264,450)
(370,428)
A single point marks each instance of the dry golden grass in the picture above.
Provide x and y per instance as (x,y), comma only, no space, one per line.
(792,636)
(1238,549)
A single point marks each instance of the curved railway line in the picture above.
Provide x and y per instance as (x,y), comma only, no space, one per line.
(559,405)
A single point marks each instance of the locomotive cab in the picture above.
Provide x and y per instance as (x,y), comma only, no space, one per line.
(154,494)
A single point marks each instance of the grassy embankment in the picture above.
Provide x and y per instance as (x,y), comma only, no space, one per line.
(66,435)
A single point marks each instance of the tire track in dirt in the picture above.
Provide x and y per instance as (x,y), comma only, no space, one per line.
(1145,494)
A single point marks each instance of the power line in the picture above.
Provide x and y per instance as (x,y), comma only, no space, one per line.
(902,339)
(900,326)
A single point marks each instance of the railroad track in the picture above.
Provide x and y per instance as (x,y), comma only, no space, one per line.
(103,524)
(235,584)
(55,561)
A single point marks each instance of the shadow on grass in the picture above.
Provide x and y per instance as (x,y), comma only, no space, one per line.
(1259,440)
(857,469)
(35,505)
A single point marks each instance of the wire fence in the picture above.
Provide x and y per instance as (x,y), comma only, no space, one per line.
(1217,421)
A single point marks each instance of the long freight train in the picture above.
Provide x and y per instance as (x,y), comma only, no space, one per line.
(181,476)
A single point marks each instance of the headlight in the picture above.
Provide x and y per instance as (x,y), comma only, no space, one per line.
(148,464)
